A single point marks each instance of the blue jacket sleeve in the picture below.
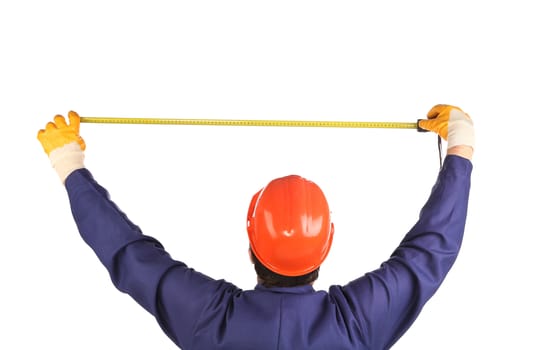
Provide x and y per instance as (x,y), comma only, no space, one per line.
(138,264)
(386,301)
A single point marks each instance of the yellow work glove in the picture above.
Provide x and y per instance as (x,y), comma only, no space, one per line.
(63,144)
(451,123)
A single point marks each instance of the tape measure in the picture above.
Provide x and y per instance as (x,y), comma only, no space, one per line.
(252,122)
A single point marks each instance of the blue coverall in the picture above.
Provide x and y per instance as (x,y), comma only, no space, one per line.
(198,312)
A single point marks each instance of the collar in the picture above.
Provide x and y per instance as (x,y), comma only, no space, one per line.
(291,290)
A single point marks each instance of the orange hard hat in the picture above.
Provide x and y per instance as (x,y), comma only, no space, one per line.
(289,226)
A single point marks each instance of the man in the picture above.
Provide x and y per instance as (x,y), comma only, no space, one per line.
(290,234)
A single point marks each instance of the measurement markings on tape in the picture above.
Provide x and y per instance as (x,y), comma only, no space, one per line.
(252,122)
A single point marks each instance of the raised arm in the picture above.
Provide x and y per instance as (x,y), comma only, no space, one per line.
(387,301)
(138,264)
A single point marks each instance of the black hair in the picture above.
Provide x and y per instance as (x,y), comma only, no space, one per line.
(268,278)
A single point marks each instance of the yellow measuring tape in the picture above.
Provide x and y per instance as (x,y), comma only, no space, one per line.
(251,122)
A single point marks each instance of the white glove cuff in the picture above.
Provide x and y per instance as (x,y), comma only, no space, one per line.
(67,159)
(460,130)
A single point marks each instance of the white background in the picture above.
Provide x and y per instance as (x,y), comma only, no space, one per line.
(189,186)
